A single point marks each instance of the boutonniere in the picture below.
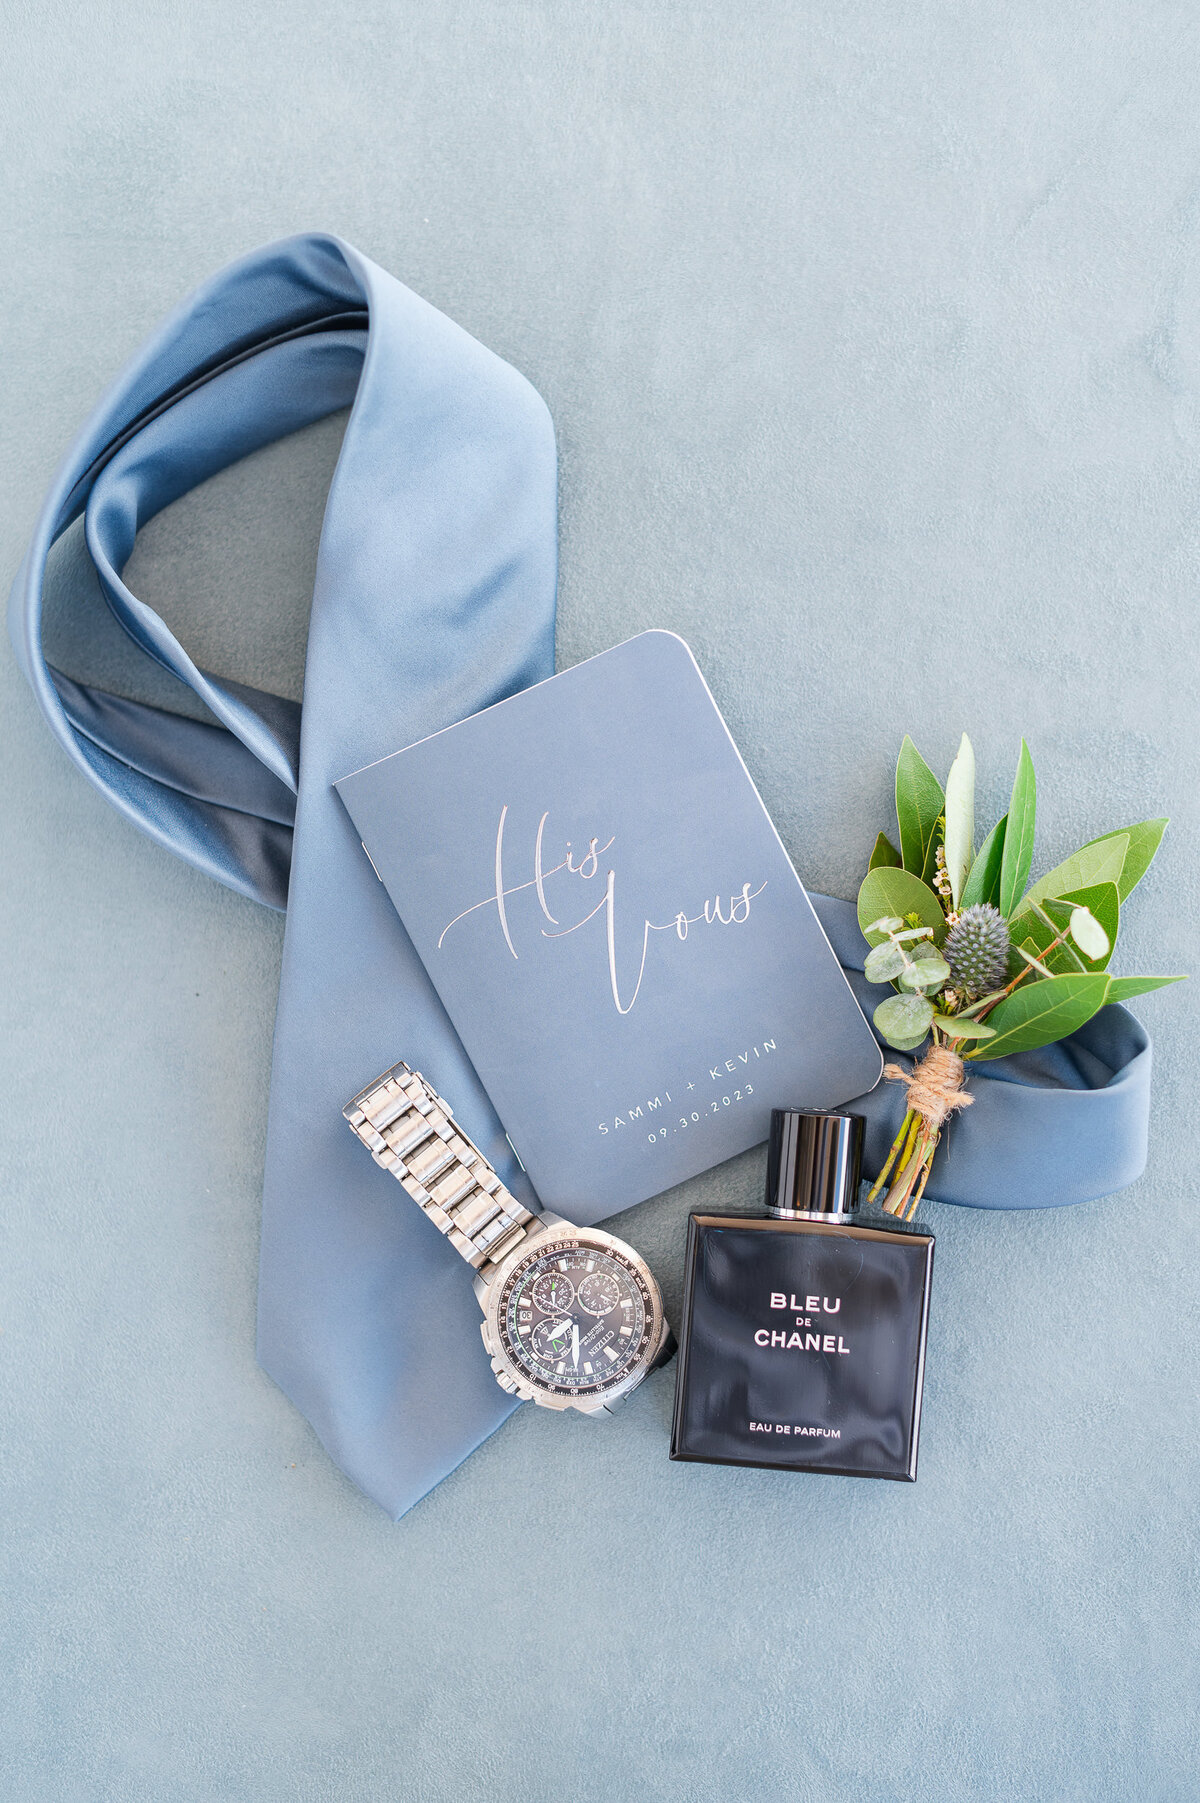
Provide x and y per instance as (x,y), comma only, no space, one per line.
(981,963)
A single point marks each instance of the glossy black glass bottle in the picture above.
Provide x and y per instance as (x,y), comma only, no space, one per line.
(802,1344)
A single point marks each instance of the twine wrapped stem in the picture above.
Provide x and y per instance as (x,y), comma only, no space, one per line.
(935,1091)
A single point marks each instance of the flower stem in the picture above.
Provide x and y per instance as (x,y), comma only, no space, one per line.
(891,1157)
(920,1189)
(909,1143)
(1061,938)
(910,1164)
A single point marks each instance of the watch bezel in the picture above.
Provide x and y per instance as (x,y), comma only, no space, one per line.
(535,1246)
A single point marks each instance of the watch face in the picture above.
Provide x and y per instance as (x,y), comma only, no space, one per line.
(576,1319)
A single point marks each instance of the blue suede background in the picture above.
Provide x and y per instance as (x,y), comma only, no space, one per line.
(872,335)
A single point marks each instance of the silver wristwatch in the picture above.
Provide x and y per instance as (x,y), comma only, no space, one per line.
(573,1318)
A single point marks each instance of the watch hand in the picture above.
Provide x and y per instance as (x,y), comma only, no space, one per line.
(575,1344)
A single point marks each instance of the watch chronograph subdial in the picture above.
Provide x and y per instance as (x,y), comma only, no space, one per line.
(552,1339)
(554,1293)
(599,1293)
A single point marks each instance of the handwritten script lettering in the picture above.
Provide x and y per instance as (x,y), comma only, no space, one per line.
(725,911)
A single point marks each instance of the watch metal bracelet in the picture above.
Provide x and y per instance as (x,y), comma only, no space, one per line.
(410,1131)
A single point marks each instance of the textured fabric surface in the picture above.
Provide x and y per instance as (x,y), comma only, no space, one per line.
(872,343)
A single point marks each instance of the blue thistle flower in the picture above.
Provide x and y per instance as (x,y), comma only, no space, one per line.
(977,950)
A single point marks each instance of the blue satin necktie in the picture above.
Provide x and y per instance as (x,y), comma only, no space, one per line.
(434,597)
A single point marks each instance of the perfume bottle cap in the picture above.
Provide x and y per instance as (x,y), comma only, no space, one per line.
(813,1164)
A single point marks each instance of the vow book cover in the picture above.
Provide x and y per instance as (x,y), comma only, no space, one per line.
(598,894)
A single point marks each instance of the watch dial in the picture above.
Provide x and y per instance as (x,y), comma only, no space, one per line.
(575,1319)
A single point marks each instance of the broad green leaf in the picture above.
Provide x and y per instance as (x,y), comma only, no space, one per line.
(919,804)
(960,818)
(924,975)
(1144,840)
(1042,1012)
(1099,862)
(884,963)
(983,884)
(954,1027)
(897,892)
(1121,989)
(903,1020)
(1101,899)
(1017,855)
(885,855)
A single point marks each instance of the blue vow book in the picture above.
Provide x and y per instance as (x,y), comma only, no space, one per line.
(598,894)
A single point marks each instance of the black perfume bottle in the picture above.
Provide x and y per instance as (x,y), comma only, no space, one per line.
(802,1344)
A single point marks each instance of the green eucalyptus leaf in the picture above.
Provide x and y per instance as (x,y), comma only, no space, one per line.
(926,976)
(1088,934)
(884,963)
(904,1020)
(893,893)
(1144,840)
(1100,862)
(906,1045)
(954,1027)
(887,923)
(960,818)
(924,949)
(919,804)
(1017,855)
(885,855)
(1122,989)
(1041,1013)
(983,883)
